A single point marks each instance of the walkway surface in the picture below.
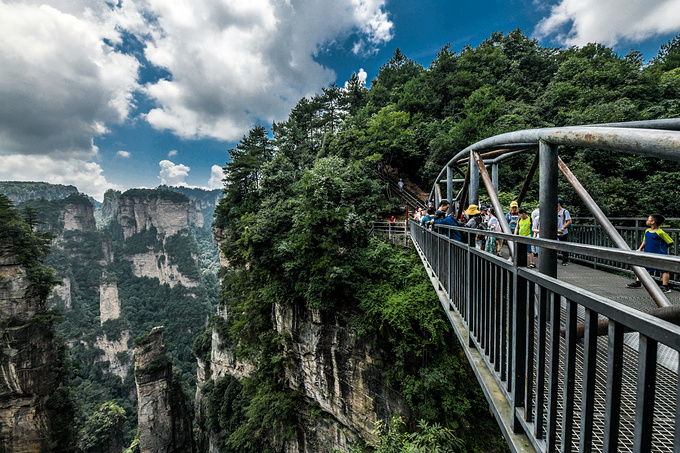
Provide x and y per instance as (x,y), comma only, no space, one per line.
(613,286)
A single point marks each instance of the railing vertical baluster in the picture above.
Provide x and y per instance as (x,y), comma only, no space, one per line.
(644,410)
(676,440)
(518,351)
(510,303)
(531,349)
(450,276)
(614,376)
(569,377)
(482,306)
(505,347)
(589,368)
(497,304)
(472,307)
(487,312)
(540,363)
(553,372)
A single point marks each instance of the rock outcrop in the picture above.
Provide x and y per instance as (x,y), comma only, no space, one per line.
(29,362)
(337,372)
(117,353)
(78,216)
(340,372)
(167,214)
(109,304)
(165,425)
(156,265)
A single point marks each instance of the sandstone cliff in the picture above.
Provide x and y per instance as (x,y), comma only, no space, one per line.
(338,373)
(29,362)
(167,212)
(78,216)
(156,265)
(164,422)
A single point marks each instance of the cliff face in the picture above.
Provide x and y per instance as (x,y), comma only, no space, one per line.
(156,265)
(167,215)
(78,217)
(336,369)
(165,424)
(331,367)
(29,363)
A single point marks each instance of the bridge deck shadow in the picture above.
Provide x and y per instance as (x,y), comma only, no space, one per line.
(611,285)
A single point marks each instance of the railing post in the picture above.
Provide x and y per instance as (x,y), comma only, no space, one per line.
(547,259)
(519,342)
(449,183)
(494,177)
(473,193)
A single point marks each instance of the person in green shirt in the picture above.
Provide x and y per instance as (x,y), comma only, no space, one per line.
(523,228)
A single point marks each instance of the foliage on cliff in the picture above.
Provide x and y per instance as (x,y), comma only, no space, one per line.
(50,385)
(30,247)
(19,191)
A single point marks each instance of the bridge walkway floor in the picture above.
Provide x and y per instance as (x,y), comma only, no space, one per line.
(613,286)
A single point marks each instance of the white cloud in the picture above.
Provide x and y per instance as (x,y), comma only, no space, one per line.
(124,154)
(579,22)
(173,174)
(232,64)
(237,63)
(361,75)
(216,175)
(60,85)
(88,177)
(172,153)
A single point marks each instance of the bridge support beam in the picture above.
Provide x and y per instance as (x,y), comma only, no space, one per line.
(449,187)
(547,259)
(494,177)
(473,193)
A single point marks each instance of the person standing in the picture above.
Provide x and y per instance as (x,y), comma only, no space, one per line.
(535,227)
(401,185)
(523,228)
(563,224)
(535,223)
(491,245)
(442,219)
(513,216)
(656,241)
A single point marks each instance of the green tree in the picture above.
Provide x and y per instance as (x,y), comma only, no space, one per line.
(103,428)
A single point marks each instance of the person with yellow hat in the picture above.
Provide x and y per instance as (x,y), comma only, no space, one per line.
(513,216)
(475,220)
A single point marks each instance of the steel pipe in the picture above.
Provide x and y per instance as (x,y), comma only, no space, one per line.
(494,199)
(647,281)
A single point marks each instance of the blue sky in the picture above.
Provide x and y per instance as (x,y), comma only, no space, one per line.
(146,92)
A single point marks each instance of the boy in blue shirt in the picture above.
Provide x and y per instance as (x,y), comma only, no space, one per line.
(656,241)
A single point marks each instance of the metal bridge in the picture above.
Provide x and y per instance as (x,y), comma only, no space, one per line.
(567,365)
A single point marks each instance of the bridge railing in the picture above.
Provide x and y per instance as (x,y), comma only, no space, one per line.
(552,382)
(396,233)
(594,234)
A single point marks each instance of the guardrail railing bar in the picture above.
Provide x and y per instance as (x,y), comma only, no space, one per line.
(481,313)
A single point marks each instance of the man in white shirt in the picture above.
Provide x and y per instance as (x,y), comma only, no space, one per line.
(563,223)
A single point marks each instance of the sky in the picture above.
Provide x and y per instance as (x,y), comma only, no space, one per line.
(105,95)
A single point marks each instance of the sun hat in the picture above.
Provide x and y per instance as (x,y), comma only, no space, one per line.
(513,204)
(472,210)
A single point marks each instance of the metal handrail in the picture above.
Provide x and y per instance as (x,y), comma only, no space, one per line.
(501,311)
(492,301)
